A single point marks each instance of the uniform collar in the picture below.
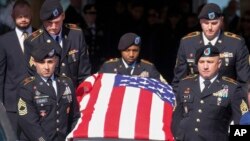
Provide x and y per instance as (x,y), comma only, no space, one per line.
(45,79)
(54,36)
(213,42)
(126,65)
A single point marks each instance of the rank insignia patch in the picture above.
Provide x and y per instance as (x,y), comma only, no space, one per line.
(22,107)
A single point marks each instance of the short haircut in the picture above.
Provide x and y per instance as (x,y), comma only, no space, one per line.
(21,3)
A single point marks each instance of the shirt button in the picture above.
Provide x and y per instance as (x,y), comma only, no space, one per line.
(57,120)
(198,120)
(196,129)
(201,101)
(63,64)
(57,112)
(57,129)
(63,74)
(200,111)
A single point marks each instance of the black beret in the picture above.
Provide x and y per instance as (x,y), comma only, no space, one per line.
(129,39)
(210,11)
(43,51)
(206,51)
(50,10)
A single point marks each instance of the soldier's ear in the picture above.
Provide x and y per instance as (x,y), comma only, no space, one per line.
(63,15)
(219,63)
(34,63)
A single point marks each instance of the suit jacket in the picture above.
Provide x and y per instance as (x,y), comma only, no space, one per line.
(117,66)
(12,69)
(233,52)
(206,115)
(43,114)
(74,57)
(5,126)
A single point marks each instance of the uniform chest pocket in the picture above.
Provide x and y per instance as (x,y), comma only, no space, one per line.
(73,56)
(187,99)
(217,106)
(43,105)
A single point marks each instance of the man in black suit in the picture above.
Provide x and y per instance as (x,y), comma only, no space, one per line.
(129,63)
(206,103)
(71,46)
(233,51)
(47,105)
(12,62)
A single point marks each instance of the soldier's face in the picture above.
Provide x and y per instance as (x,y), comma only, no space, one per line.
(211,27)
(46,67)
(54,26)
(208,67)
(131,54)
(22,16)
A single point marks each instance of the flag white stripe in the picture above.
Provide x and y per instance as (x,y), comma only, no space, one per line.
(84,102)
(129,108)
(156,119)
(96,125)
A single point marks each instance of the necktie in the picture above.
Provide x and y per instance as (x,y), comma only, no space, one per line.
(49,82)
(129,69)
(25,34)
(209,43)
(57,39)
(206,83)
(23,37)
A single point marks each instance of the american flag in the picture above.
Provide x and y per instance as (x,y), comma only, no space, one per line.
(124,107)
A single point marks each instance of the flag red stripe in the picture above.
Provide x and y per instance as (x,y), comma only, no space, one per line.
(82,130)
(167,119)
(112,119)
(142,117)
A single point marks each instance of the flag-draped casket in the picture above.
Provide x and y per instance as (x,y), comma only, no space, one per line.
(124,107)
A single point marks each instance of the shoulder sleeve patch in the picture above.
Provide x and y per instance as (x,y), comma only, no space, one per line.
(36,33)
(229,79)
(73,26)
(190,77)
(146,61)
(28,80)
(192,34)
(232,35)
(243,107)
(112,60)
